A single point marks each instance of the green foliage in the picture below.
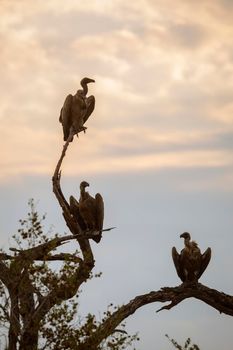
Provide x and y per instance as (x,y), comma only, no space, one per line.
(187,345)
(120,339)
(65,334)
(31,231)
(61,328)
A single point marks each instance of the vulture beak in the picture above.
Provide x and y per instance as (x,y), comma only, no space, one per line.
(85,81)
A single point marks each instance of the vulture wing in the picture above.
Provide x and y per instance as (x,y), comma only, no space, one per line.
(90,105)
(99,206)
(99,211)
(66,116)
(74,209)
(78,110)
(87,211)
(206,256)
(176,259)
(74,206)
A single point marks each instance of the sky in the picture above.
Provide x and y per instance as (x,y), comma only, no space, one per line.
(158,145)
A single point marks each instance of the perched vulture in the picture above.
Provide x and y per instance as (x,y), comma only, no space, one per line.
(190,263)
(74,209)
(92,211)
(76,110)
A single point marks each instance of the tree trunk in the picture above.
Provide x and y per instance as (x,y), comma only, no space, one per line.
(14,320)
(29,340)
(12,339)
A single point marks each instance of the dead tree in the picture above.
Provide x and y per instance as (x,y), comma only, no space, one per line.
(27,308)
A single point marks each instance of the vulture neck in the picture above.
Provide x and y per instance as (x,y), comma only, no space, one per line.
(83,193)
(85,88)
(187,242)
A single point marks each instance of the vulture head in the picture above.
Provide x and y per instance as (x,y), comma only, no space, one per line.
(185,235)
(83,185)
(84,83)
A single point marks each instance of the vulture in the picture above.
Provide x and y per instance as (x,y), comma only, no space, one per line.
(74,209)
(76,110)
(89,211)
(190,263)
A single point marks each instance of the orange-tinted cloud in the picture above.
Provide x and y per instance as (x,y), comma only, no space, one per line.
(162,83)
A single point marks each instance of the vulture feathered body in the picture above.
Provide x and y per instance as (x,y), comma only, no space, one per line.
(89,211)
(190,263)
(76,110)
(74,209)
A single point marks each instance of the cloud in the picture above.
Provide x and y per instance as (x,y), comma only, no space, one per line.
(99,152)
(163,92)
(224,114)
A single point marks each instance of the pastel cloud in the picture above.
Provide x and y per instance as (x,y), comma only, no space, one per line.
(100,152)
(162,82)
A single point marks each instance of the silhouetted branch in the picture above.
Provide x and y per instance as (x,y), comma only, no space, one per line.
(39,252)
(63,257)
(55,257)
(70,222)
(57,175)
(70,284)
(218,300)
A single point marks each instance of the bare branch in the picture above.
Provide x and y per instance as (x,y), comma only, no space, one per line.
(63,257)
(55,257)
(39,252)
(70,222)
(69,287)
(218,300)
(108,229)
(57,175)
